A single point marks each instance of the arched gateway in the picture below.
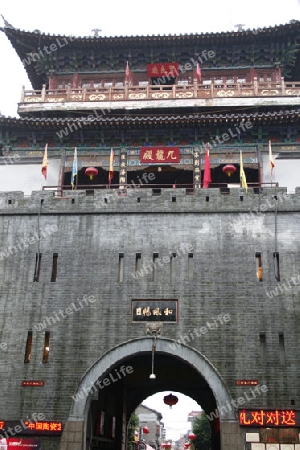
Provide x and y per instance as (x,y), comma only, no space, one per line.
(126,369)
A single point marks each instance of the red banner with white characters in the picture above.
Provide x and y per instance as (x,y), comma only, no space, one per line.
(159,155)
(162,69)
(20,444)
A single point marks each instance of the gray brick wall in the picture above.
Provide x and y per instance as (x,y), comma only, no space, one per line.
(223,232)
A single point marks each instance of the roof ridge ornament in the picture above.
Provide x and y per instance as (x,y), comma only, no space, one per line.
(96,32)
(239,26)
(7,24)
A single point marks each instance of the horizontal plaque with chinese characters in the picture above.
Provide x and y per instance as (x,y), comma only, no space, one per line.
(154,310)
(162,69)
(269,418)
(159,155)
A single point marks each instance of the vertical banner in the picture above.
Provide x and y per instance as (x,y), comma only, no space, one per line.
(123,172)
(197,170)
(100,423)
(113,427)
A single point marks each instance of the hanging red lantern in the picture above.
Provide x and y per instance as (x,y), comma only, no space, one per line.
(170,400)
(91,172)
(229,169)
(186,445)
(146,430)
(192,436)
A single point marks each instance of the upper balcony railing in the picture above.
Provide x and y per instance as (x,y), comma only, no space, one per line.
(156,92)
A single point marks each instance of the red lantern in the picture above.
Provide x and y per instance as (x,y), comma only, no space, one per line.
(170,400)
(91,172)
(229,169)
(186,445)
(192,436)
(146,430)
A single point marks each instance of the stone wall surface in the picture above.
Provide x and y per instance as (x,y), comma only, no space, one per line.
(88,308)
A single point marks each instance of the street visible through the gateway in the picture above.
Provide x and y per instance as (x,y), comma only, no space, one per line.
(175,419)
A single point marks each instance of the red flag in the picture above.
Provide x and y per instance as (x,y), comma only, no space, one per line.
(111,166)
(199,74)
(272,164)
(127,72)
(207,176)
(45,162)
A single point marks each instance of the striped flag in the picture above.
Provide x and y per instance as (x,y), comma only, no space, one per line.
(45,162)
(74,169)
(111,166)
(207,175)
(242,173)
(272,164)
(198,71)
(127,72)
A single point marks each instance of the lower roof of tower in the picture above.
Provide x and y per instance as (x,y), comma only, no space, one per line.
(150,120)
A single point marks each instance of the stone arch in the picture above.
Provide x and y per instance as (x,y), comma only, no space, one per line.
(137,346)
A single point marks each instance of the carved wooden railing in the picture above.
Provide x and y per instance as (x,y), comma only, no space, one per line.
(155,92)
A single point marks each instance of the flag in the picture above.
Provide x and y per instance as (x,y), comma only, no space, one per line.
(74,169)
(127,72)
(207,176)
(272,164)
(45,162)
(242,173)
(198,71)
(111,166)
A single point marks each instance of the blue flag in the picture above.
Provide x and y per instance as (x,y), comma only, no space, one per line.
(74,170)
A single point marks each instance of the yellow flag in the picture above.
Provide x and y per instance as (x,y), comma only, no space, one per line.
(45,162)
(242,173)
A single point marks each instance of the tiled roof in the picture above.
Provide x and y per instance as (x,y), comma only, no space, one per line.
(294,25)
(25,43)
(188,119)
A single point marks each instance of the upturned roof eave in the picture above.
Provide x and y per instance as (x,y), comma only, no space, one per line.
(25,42)
(37,35)
(148,120)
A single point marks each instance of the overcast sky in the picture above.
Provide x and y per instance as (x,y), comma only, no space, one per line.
(120,18)
(175,418)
